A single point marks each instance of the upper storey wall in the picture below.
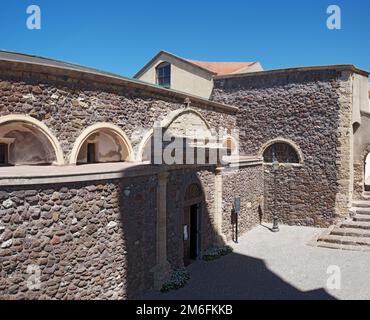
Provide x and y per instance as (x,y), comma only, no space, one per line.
(68,102)
(312,108)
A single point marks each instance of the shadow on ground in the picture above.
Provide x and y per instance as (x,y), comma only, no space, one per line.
(237,277)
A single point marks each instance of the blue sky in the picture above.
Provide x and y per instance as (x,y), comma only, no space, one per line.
(120,36)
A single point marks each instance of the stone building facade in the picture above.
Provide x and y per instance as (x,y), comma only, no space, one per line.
(112,228)
(314,110)
(85,211)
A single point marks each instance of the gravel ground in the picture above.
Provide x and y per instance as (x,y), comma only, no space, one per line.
(266,265)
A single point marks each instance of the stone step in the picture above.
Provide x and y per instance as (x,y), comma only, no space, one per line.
(366,193)
(361,203)
(355,224)
(361,218)
(342,246)
(345,240)
(350,232)
(366,196)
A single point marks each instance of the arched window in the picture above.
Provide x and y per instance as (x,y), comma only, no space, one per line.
(163,74)
(102,142)
(26,141)
(102,146)
(281,152)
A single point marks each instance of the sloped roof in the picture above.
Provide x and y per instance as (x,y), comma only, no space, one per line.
(222,68)
(214,68)
(29,58)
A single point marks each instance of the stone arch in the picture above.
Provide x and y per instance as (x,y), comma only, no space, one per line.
(167,121)
(143,145)
(365,157)
(180,122)
(124,149)
(193,192)
(49,144)
(289,142)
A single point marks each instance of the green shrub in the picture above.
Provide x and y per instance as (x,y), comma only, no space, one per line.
(178,279)
(216,252)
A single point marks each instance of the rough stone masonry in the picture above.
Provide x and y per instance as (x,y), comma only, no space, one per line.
(114,233)
(313,110)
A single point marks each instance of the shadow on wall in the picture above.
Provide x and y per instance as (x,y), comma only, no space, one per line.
(137,202)
(190,200)
(237,277)
(97,240)
(242,277)
(138,216)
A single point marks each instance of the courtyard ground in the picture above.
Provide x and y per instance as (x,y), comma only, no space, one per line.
(266,265)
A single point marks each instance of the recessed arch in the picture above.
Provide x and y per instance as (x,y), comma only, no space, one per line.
(365,170)
(193,192)
(111,132)
(142,148)
(167,121)
(283,141)
(187,123)
(34,125)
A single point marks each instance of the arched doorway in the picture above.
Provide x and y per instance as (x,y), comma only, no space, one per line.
(367,173)
(193,207)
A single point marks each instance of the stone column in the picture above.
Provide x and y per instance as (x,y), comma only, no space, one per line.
(218,204)
(162,269)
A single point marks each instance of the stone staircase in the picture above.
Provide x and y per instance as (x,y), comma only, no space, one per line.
(352,233)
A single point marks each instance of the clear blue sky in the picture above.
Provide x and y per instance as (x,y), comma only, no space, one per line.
(120,36)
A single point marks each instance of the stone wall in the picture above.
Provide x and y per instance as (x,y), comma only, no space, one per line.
(246,183)
(68,106)
(312,109)
(90,241)
(97,239)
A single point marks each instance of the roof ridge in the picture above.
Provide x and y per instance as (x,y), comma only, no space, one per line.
(220,61)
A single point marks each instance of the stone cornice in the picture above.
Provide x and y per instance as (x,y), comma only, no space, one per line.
(34,175)
(341,67)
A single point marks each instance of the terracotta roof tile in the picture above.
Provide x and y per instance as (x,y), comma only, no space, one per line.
(221,68)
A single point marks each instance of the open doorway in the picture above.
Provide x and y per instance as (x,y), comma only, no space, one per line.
(4,154)
(192,216)
(192,223)
(91,153)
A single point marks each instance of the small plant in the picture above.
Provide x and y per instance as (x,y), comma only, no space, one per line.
(178,279)
(216,252)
